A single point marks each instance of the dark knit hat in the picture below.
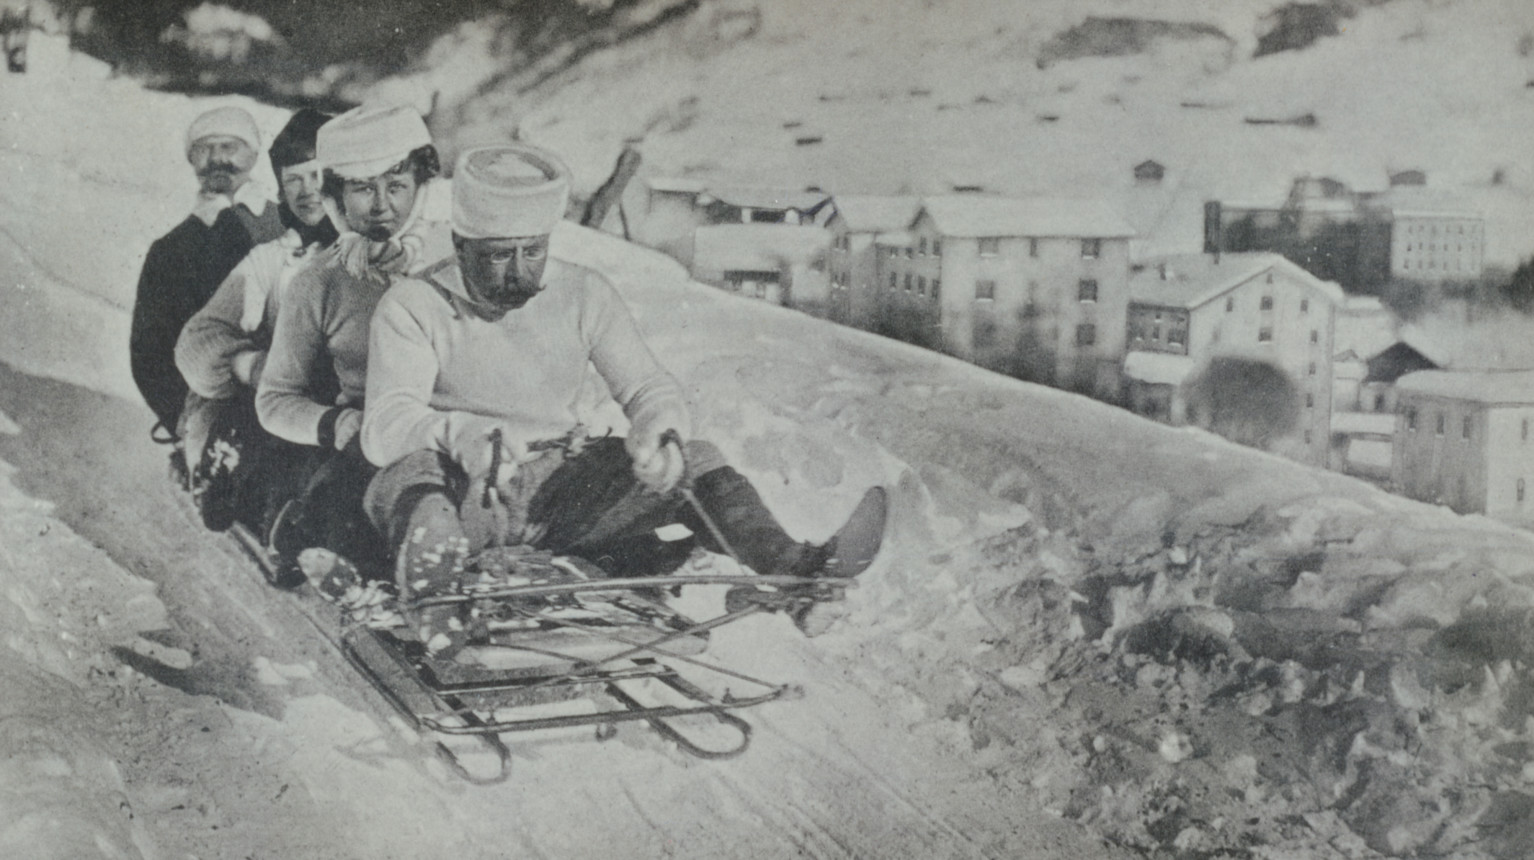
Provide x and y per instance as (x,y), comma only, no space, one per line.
(295,143)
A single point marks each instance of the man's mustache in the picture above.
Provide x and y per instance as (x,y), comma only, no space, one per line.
(218,168)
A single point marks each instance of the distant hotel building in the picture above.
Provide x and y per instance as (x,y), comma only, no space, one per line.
(1359,239)
(1187,310)
(1030,287)
(1463,439)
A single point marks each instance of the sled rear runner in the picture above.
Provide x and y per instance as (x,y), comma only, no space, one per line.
(558,645)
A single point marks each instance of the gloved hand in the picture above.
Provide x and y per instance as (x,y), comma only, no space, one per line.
(348,426)
(658,461)
(247,366)
(477,461)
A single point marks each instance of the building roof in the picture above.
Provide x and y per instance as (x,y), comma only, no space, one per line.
(1157,368)
(871,214)
(976,215)
(1486,387)
(767,198)
(757,247)
(1406,201)
(895,238)
(1363,423)
(1193,280)
(1395,361)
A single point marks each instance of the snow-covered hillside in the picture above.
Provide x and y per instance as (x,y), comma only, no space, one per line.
(1091,635)
(919,97)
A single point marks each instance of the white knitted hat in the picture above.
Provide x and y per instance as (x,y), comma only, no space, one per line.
(507,191)
(365,141)
(226,121)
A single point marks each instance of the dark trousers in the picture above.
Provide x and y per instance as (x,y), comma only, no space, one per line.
(238,472)
(332,508)
(590,505)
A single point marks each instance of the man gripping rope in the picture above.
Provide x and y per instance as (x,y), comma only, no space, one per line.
(474,369)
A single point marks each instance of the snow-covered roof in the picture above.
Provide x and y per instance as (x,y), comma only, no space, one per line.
(975,215)
(895,238)
(1413,202)
(873,214)
(1487,387)
(1358,423)
(767,198)
(756,247)
(1192,280)
(1157,368)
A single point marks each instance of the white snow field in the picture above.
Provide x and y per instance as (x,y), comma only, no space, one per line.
(1091,636)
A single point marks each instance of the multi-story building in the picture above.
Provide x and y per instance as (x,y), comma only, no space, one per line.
(1186,311)
(1031,287)
(1364,407)
(1432,237)
(854,265)
(1463,440)
(1359,239)
(674,208)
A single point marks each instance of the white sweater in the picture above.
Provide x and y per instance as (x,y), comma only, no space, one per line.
(442,378)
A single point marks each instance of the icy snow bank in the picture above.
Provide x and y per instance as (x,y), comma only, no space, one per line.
(62,604)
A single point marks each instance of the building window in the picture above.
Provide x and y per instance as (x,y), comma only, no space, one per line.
(937,247)
(1091,248)
(1315,336)
(1442,422)
(922,248)
(985,290)
(1411,419)
(935,284)
(1033,247)
(990,246)
(909,252)
(1086,291)
(921,285)
(1156,332)
(1175,335)
(1520,491)
(1230,303)
(1304,306)
(1525,433)
(1267,304)
(1270,277)
(1312,369)
(892,280)
(1310,400)
(908,282)
(1086,334)
(1264,335)
(1464,430)
(1307,437)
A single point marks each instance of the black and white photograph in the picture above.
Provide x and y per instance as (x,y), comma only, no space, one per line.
(736,429)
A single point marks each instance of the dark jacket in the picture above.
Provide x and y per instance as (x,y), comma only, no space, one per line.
(183,269)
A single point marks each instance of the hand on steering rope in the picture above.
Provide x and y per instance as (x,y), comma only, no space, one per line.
(658,461)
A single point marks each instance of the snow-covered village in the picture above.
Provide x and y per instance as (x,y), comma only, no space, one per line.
(767,428)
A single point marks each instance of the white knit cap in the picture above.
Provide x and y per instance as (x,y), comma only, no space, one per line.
(368,140)
(507,191)
(225,121)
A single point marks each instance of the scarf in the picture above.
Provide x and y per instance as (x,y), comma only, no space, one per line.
(372,261)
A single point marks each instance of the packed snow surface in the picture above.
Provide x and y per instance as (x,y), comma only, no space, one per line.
(1090,635)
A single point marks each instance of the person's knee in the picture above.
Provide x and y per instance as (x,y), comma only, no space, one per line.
(703,457)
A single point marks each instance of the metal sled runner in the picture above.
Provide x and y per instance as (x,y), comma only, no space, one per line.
(555,644)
